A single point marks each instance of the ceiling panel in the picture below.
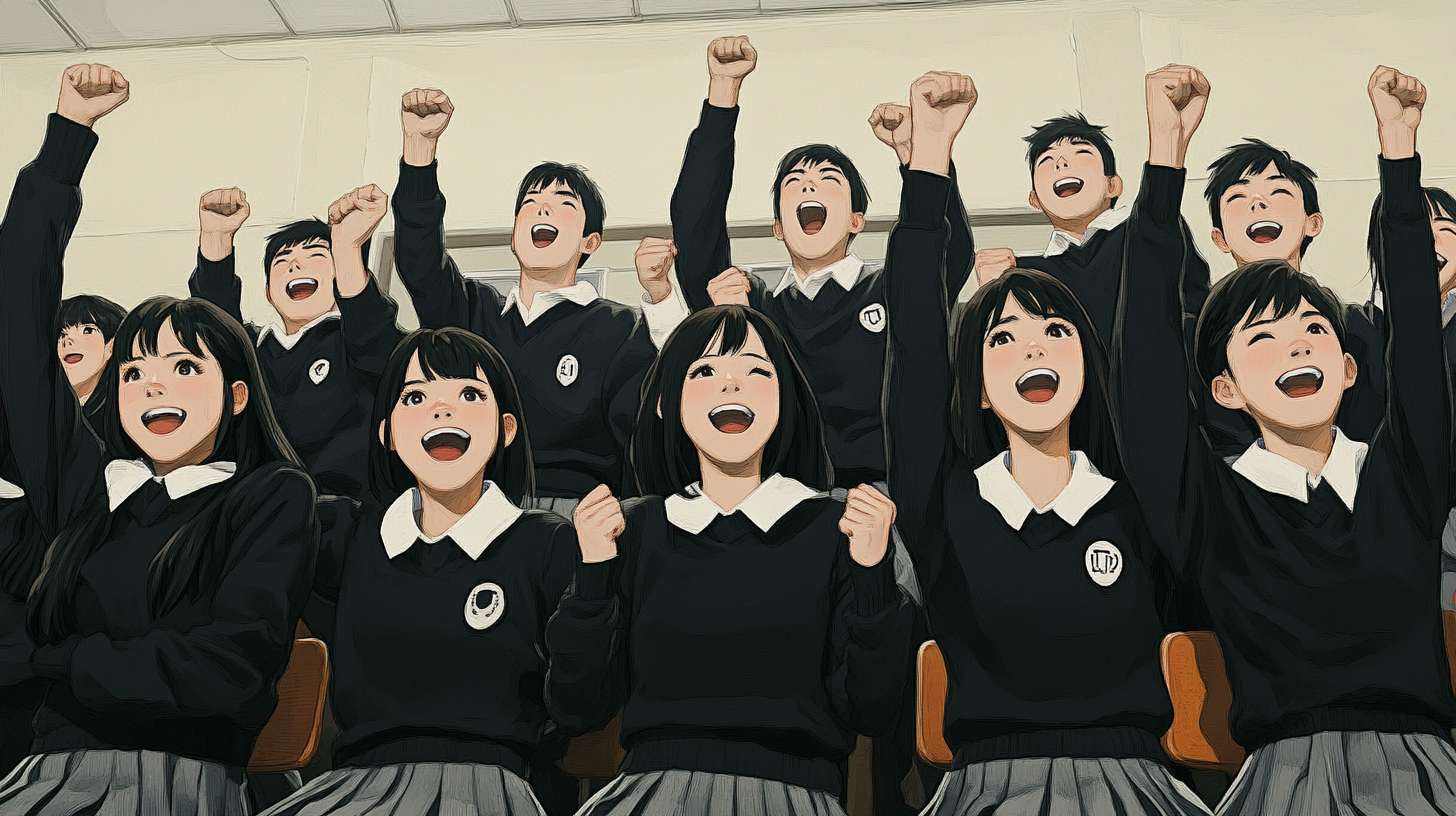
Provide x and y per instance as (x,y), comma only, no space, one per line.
(830,5)
(655,8)
(124,22)
(546,11)
(28,27)
(331,16)
(422,14)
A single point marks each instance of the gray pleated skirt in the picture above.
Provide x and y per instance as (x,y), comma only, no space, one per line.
(413,789)
(1346,773)
(698,793)
(1064,786)
(124,783)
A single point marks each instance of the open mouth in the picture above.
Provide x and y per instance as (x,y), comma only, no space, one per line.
(162,421)
(811,217)
(1067,187)
(1301,382)
(73,358)
(1265,232)
(446,444)
(542,235)
(1038,385)
(1440,261)
(300,288)
(731,419)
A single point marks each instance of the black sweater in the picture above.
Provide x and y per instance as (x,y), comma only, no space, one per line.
(838,337)
(20,690)
(1042,660)
(1324,615)
(579,428)
(734,651)
(322,389)
(200,681)
(413,681)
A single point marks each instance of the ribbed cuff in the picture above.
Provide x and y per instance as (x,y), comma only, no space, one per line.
(874,587)
(66,150)
(227,267)
(923,199)
(53,662)
(1161,196)
(420,183)
(1400,189)
(597,581)
(718,120)
(663,317)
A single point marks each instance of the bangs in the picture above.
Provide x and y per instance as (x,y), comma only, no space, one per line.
(141,329)
(441,358)
(1031,292)
(729,336)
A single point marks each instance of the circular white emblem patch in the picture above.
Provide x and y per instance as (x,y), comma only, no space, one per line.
(872,317)
(1104,563)
(484,606)
(567,369)
(318,371)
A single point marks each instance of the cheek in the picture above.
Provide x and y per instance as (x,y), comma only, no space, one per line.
(482,421)
(1255,363)
(203,391)
(319,268)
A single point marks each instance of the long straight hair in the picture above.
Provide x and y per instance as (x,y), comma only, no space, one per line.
(189,566)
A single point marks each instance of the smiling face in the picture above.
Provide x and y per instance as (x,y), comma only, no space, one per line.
(1071,186)
(730,402)
(301,282)
(1264,219)
(548,231)
(171,402)
(83,351)
(1032,370)
(445,430)
(1289,373)
(816,212)
(1443,224)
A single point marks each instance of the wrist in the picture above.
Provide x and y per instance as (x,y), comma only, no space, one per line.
(419,151)
(723,91)
(78,118)
(657,290)
(215,246)
(931,158)
(1397,141)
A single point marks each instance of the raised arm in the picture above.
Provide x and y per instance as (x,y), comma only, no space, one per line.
(221,213)
(368,315)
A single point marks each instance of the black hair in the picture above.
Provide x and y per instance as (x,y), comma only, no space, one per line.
(573,176)
(104,314)
(190,564)
(1248,291)
(814,155)
(1254,156)
(982,433)
(1438,203)
(664,458)
(451,353)
(296,234)
(1073,126)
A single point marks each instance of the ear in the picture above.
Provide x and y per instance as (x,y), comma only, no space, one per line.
(1226,392)
(1219,242)
(659,407)
(240,397)
(509,422)
(1035,202)
(591,243)
(1352,370)
(1114,186)
(985,400)
(778,229)
(1314,224)
(110,344)
(856,223)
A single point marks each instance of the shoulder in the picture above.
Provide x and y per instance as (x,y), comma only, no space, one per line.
(272,486)
(643,508)
(619,317)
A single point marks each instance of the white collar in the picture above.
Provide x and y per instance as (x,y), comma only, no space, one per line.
(768,503)
(473,532)
(582,294)
(1448,307)
(1274,473)
(10,490)
(126,476)
(845,271)
(1062,241)
(288,341)
(1083,491)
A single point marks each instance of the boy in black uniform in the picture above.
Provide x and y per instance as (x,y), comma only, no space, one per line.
(320,368)
(88,323)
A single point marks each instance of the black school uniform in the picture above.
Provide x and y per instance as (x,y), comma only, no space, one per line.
(20,689)
(143,714)
(1319,594)
(748,649)
(320,380)
(1050,620)
(578,359)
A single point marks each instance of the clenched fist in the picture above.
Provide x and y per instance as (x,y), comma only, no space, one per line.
(730,59)
(868,515)
(89,92)
(654,261)
(939,104)
(1177,96)
(598,521)
(993,263)
(223,210)
(730,286)
(1399,100)
(355,216)
(891,125)
(424,113)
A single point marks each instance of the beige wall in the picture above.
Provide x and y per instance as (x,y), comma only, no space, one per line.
(296,123)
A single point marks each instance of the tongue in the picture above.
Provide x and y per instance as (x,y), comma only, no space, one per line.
(1301,386)
(813,227)
(302,291)
(446,453)
(73,358)
(164,425)
(1039,394)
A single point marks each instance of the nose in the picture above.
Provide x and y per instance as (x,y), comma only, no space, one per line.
(808,187)
(1301,349)
(67,342)
(442,411)
(154,388)
(1035,351)
(731,384)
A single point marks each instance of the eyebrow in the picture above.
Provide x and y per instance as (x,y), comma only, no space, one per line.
(739,354)
(1302,316)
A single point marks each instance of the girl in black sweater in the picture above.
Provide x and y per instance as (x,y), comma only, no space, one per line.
(748,644)
(22,550)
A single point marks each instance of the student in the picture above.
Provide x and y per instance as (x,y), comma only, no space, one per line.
(1317,554)
(88,324)
(748,644)
(1045,590)
(578,358)
(22,551)
(184,536)
(442,587)
(320,373)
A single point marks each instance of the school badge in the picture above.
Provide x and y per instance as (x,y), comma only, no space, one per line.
(567,369)
(318,371)
(484,606)
(1104,563)
(872,317)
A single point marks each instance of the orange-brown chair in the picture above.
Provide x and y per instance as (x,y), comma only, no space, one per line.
(291,738)
(930,686)
(597,755)
(1197,681)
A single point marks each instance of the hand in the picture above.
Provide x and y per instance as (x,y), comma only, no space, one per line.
(355,216)
(732,286)
(992,263)
(89,92)
(424,113)
(939,104)
(730,59)
(1177,96)
(1399,100)
(223,211)
(891,125)
(598,521)
(868,515)
(654,261)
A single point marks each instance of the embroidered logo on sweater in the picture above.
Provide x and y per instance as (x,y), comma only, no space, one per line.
(567,369)
(318,371)
(484,606)
(1104,563)
(872,317)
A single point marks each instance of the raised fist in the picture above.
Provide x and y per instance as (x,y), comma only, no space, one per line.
(598,521)
(89,92)
(868,515)
(891,125)
(223,210)
(1398,98)
(425,113)
(992,263)
(355,216)
(731,286)
(1177,96)
(940,101)
(731,58)
(654,261)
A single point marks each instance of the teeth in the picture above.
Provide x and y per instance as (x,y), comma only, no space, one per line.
(158,413)
(1045,372)
(731,407)
(812,204)
(1066,182)
(301,282)
(441,431)
(1310,370)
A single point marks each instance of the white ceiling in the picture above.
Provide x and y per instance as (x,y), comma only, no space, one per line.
(71,25)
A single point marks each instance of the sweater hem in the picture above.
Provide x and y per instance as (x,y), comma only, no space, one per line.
(1118,742)
(411,750)
(737,759)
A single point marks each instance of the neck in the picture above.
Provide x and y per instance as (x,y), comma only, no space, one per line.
(727,484)
(1041,463)
(535,281)
(85,389)
(196,456)
(1077,227)
(1293,260)
(804,267)
(441,509)
(1308,448)
(293,326)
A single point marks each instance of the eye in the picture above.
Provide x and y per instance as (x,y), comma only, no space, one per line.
(1282,191)
(566,202)
(1235,197)
(1317,328)
(1260,336)
(88,329)
(1000,338)
(131,374)
(472,394)
(704,370)
(762,372)
(188,368)
(1058,330)
(318,255)
(410,398)
(1084,152)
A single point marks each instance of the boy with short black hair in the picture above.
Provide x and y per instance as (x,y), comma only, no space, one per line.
(88,323)
(1264,204)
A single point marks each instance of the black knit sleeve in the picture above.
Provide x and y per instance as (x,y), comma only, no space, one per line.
(960,249)
(369,322)
(217,282)
(871,642)
(699,209)
(441,295)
